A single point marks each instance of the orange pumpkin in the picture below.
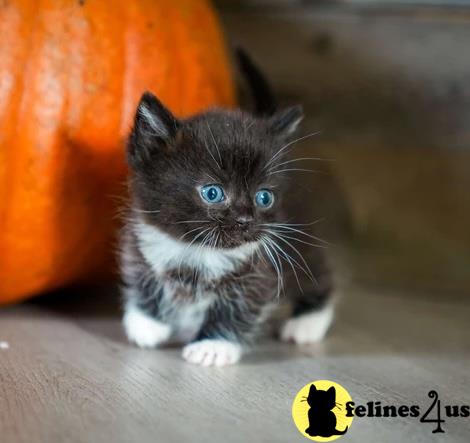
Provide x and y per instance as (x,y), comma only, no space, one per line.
(71,74)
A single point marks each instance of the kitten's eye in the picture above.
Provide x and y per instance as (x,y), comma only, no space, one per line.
(212,193)
(264,198)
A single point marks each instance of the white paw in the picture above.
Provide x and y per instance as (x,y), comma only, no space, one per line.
(212,352)
(143,330)
(308,328)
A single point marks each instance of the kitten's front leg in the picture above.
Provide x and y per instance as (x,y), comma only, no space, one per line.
(213,352)
(227,327)
(144,330)
(141,321)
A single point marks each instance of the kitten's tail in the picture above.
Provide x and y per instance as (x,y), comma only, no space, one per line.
(341,432)
(261,91)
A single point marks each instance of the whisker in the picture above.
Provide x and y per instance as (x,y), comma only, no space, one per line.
(296,169)
(275,265)
(276,155)
(207,240)
(211,239)
(210,153)
(297,224)
(303,159)
(215,143)
(249,125)
(281,269)
(199,253)
(290,228)
(143,211)
(197,236)
(288,258)
(305,269)
(212,178)
(192,221)
(259,255)
(309,273)
(189,232)
(301,241)
(188,246)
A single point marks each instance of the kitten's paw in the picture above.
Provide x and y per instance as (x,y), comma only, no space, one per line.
(212,352)
(143,330)
(308,328)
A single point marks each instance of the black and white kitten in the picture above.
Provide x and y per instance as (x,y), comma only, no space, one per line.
(208,245)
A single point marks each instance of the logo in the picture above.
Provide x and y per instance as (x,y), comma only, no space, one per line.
(323,411)
(319,411)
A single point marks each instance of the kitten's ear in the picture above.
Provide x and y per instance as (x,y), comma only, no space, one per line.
(155,128)
(286,122)
(313,388)
(332,392)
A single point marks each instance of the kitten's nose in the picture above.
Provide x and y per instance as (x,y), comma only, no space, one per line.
(244,220)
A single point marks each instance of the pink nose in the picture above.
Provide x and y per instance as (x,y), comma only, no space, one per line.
(244,221)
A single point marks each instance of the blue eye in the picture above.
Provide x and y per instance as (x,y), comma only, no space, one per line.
(212,193)
(264,198)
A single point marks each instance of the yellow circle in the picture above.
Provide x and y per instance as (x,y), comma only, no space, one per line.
(319,411)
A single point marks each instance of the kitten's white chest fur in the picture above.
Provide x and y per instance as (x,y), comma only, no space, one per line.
(163,252)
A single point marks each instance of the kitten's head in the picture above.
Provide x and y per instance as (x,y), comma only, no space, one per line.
(322,400)
(210,178)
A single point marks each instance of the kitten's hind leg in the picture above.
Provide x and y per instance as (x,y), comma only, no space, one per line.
(313,313)
(309,327)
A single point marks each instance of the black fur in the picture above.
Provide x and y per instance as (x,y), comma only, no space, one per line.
(261,91)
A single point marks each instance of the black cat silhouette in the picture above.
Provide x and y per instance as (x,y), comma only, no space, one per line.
(321,418)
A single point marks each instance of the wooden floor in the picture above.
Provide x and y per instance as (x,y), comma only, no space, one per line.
(68,375)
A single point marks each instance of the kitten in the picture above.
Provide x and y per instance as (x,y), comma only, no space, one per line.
(205,250)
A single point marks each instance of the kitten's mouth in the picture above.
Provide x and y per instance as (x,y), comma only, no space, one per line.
(237,236)
(216,235)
